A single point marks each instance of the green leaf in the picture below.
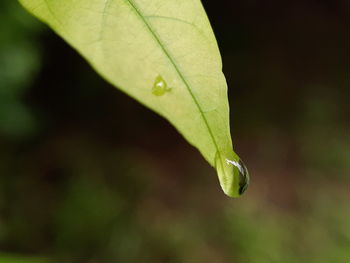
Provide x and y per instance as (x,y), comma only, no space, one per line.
(164,54)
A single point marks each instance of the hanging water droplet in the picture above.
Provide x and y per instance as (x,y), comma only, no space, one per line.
(243,175)
(233,175)
(160,87)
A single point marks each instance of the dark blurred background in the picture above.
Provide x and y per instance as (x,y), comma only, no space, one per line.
(89,175)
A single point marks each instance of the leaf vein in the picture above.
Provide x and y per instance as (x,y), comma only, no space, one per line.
(179,20)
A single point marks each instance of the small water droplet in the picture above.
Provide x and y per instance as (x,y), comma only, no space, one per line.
(160,87)
(233,175)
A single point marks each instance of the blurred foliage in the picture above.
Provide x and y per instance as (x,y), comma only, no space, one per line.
(78,183)
(19,62)
(20,259)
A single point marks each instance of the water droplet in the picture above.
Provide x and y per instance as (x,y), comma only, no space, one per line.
(233,175)
(160,87)
(243,175)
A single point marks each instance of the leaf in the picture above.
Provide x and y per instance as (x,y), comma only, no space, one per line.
(164,54)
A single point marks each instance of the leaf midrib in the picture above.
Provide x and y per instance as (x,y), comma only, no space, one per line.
(172,61)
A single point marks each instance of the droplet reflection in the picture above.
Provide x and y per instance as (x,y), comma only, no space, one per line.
(243,175)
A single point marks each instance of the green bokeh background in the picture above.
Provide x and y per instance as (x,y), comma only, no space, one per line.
(88,175)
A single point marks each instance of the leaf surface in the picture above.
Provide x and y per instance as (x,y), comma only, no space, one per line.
(164,54)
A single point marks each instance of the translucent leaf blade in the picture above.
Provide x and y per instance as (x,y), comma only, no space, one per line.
(164,54)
